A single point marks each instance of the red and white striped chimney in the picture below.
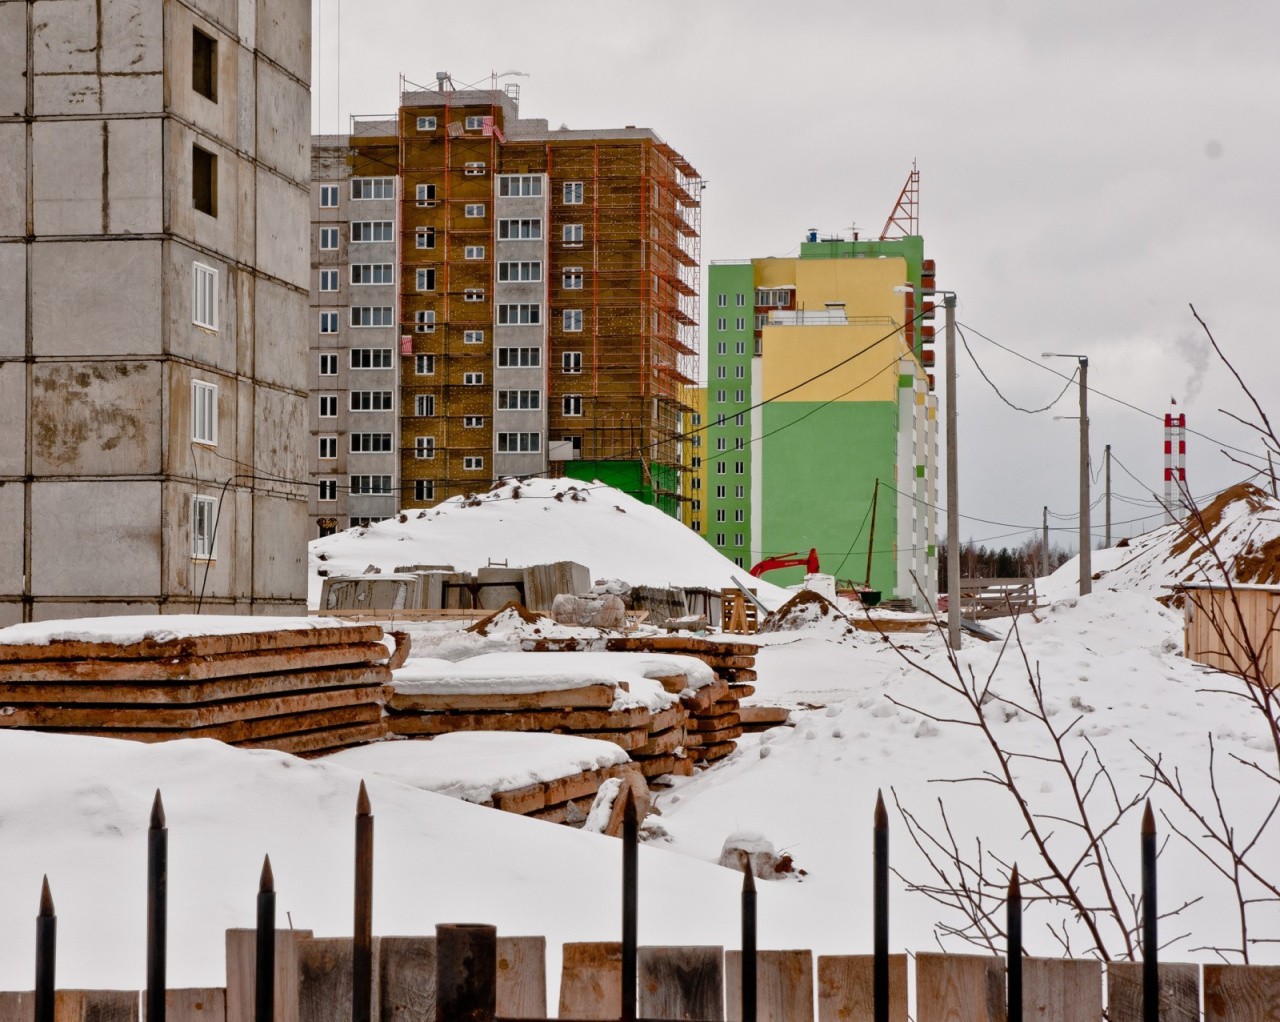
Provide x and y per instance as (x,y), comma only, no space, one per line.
(1175,465)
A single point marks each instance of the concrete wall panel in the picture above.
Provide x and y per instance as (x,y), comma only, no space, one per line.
(283,104)
(280,331)
(215,348)
(282,247)
(216,118)
(13,59)
(280,422)
(190,460)
(65,37)
(279,548)
(13,299)
(221,13)
(66,609)
(13,387)
(133,94)
(67,175)
(98,295)
(67,94)
(135,170)
(132,40)
(95,539)
(284,35)
(247,23)
(95,418)
(188,575)
(217,233)
(246,121)
(11,512)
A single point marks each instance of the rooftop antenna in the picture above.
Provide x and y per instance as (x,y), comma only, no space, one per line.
(904,221)
(444,81)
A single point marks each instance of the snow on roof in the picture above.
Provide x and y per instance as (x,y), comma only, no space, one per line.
(537,521)
(127,630)
(475,765)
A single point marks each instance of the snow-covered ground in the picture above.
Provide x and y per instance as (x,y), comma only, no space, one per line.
(1114,681)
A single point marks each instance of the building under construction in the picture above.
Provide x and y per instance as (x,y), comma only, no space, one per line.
(547,293)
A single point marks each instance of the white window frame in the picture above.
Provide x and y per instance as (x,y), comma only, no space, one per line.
(327,447)
(473,252)
(424,365)
(369,274)
(571,279)
(328,239)
(204,528)
(527,400)
(520,185)
(514,357)
(571,234)
(511,271)
(424,405)
(425,194)
(519,442)
(424,447)
(572,193)
(424,489)
(424,321)
(424,238)
(473,379)
(722,301)
(375,228)
(571,321)
(328,363)
(368,443)
(474,122)
(328,280)
(328,196)
(474,168)
(380,187)
(473,210)
(204,296)
(379,400)
(571,406)
(329,322)
(473,294)
(520,314)
(571,362)
(376,315)
(328,406)
(204,413)
(473,337)
(370,358)
(327,488)
(424,278)
(526,228)
(473,422)
(473,463)
(426,123)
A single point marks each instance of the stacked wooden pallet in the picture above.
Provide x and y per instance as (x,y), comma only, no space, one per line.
(307,688)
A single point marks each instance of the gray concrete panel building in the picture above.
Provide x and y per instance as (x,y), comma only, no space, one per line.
(154,271)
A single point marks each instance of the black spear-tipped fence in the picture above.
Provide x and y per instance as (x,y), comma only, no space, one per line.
(466,954)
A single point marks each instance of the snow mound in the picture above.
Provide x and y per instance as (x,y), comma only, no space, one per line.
(813,614)
(536,521)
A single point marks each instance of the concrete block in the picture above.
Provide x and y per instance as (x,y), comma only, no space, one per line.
(213,348)
(135,165)
(282,320)
(13,387)
(69,521)
(186,575)
(280,426)
(96,418)
(371,592)
(284,116)
(282,238)
(12,537)
(133,37)
(217,119)
(13,59)
(133,94)
(13,297)
(280,549)
(284,35)
(10,611)
(65,36)
(67,160)
(105,290)
(188,460)
(67,94)
(493,597)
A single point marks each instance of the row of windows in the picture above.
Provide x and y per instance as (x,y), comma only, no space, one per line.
(360,358)
(738,396)
(739,372)
(739,347)
(740,300)
(360,443)
(516,229)
(739,324)
(509,186)
(360,401)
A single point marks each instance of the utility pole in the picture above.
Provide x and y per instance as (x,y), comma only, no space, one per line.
(1086,538)
(953,481)
(1108,462)
(1044,543)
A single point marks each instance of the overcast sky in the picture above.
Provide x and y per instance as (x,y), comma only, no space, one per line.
(1087,170)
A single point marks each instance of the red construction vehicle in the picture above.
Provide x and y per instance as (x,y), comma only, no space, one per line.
(788,561)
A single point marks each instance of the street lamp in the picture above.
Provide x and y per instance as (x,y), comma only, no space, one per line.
(1086,540)
(953,471)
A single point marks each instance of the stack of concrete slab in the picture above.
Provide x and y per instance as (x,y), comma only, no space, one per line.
(299,685)
(440,587)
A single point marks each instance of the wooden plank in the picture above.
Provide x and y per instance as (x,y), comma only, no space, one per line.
(1241,993)
(96,1005)
(406,978)
(660,744)
(681,644)
(566,789)
(591,981)
(959,988)
(673,683)
(599,696)
(1179,992)
(846,987)
(784,986)
(1062,989)
(528,799)
(751,716)
(681,983)
(728,734)
(195,645)
(17,1006)
(212,690)
(706,697)
(718,723)
(324,979)
(250,733)
(242,968)
(539,720)
(709,753)
(194,668)
(635,783)
(322,740)
(208,1004)
(669,717)
(656,766)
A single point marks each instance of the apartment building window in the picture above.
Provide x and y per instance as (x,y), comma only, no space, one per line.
(473,379)
(424,405)
(424,447)
(328,280)
(721,468)
(372,230)
(371,315)
(519,185)
(473,463)
(204,296)
(695,506)
(722,323)
(424,321)
(424,237)
(522,314)
(204,413)
(739,443)
(204,65)
(519,443)
(512,400)
(370,358)
(204,523)
(474,123)
(739,419)
(720,514)
(739,372)
(739,491)
(696,483)
(573,193)
(372,273)
(720,397)
(424,489)
(571,319)
(329,364)
(739,515)
(473,294)
(520,229)
(572,280)
(424,365)
(571,362)
(739,467)
(473,422)
(425,278)
(373,485)
(328,238)
(519,358)
(740,323)
(426,124)
(473,210)
(474,168)
(722,443)
(328,489)
(473,337)
(740,348)
(762,320)
(368,443)
(571,404)
(719,539)
(738,540)
(720,347)
(373,187)
(721,372)
(328,406)
(741,299)
(722,300)
(518,271)
(473,252)
(327,448)
(720,492)
(329,197)
(425,194)
(204,181)
(696,525)
(571,234)
(371,401)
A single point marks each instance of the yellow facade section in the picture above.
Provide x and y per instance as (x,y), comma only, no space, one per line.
(795,353)
(693,458)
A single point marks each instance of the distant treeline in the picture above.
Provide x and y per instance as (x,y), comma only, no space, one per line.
(980,561)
